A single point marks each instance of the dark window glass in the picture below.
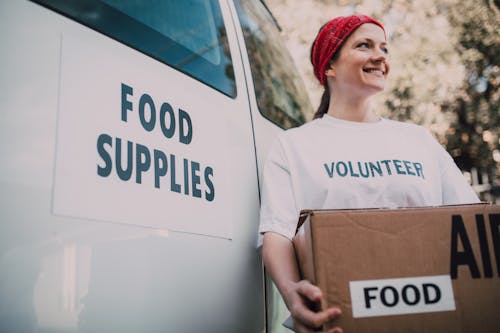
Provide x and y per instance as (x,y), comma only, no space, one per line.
(280,93)
(187,35)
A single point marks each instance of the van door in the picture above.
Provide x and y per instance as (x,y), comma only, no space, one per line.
(278,101)
(128,182)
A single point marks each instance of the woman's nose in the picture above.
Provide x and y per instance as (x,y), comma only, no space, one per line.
(379,55)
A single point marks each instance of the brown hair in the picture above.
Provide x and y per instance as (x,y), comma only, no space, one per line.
(325,98)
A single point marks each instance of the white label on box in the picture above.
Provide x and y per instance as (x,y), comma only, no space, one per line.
(374,298)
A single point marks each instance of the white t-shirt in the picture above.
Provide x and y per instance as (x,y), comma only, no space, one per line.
(331,163)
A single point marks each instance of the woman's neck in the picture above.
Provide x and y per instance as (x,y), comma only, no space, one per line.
(353,110)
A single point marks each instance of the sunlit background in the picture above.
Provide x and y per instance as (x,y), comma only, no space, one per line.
(445,70)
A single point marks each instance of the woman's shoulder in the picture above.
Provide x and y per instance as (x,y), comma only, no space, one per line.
(402,124)
(318,126)
(407,127)
(300,131)
(418,133)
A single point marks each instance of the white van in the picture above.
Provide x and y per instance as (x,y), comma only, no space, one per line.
(131,139)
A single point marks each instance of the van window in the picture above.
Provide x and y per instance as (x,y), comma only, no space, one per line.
(187,35)
(280,93)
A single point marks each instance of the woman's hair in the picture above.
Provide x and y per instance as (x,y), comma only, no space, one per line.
(325,49)
(325,98)
(323,105)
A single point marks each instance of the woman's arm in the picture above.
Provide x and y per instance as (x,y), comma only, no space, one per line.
(299,295)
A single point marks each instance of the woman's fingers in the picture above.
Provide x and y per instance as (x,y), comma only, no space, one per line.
(314,319)
(309,291)
(302,311)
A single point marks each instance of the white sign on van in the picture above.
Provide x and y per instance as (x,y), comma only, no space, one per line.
(134,146)
(373,298)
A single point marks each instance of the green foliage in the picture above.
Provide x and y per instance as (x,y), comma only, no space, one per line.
(473,136)
(447,76)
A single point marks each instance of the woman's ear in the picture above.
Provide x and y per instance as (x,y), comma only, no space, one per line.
(330,72)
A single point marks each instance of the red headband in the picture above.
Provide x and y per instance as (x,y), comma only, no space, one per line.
(331,37)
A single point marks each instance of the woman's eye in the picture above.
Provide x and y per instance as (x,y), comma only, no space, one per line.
(385,50)
(363,45)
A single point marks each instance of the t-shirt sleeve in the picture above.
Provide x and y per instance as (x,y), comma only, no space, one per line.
(454,187)
(278,212)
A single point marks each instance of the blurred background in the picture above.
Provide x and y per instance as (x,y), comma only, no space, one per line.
(445,70)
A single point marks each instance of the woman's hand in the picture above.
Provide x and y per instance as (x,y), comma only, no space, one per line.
(301,300)
(301,296)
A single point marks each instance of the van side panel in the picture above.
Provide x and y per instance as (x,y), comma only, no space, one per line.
(83,252)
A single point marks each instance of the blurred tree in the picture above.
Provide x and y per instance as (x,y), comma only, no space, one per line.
(426,70)
(473,136)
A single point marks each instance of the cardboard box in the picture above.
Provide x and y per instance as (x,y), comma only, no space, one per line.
(407,270)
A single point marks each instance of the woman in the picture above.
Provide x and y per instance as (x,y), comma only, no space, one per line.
(347,157)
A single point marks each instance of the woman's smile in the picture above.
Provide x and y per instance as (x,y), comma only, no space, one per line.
(376,71)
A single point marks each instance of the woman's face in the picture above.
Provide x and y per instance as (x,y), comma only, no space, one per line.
(362,66)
